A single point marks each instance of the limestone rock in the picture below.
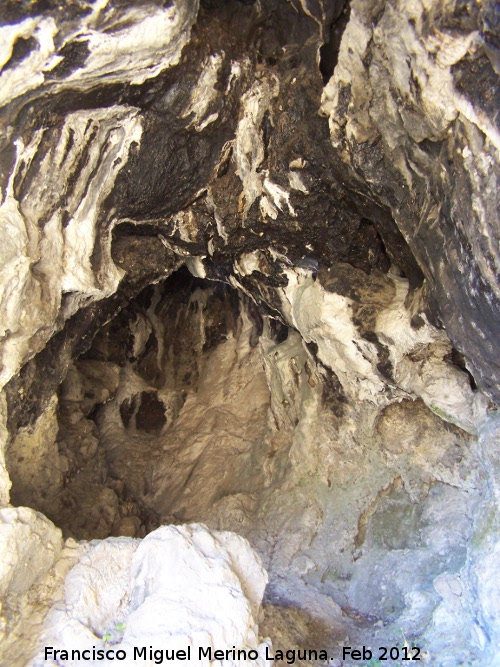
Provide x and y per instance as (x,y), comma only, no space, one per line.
(412,107)
(125,593)
(33,461)
(250,278)
(30,545)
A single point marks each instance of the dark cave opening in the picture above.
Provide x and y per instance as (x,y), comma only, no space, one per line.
(146,361)
(259,292)
(329,51)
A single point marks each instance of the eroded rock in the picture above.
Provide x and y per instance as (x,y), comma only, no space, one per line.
(123,595)
(313,377)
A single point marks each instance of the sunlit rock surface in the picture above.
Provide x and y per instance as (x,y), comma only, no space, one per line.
(30,545)
(122,594)
(125,594)
(249,278)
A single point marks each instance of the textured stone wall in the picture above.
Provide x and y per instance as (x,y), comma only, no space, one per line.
(413,112)
(321,374)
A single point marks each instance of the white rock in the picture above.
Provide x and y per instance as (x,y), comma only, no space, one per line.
(249,144)
(417,357)
(142,43)
(203,94)
(30,302)
(29,545)
(326,319)
(181,587)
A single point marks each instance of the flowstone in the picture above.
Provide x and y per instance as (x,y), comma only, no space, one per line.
(250,279)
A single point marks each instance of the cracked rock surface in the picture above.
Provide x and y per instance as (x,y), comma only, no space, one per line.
(249,279)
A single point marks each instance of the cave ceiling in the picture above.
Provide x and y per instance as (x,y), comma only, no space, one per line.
(229,143)
(249,276)
(242,127)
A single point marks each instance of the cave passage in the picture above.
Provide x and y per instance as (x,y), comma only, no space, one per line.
(250,280)
(116,465)
(194,404)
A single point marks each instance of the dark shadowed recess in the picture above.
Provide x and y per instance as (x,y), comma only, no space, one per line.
(21,50)
(186,318)
(329,51)
(40,377)
(29,392)
(74,55)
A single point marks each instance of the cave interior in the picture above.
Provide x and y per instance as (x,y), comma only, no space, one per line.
(251,282)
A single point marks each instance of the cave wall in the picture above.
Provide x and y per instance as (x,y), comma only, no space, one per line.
(336,166)
(413,112)
(217,176)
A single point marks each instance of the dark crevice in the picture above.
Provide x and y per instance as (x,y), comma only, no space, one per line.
(20,51)
(458,359)
(329,51)
(74,56)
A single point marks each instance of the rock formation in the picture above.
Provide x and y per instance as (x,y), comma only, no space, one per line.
(250,279)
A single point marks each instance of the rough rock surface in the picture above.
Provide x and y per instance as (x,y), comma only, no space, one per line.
(320,375)
(122,593)
(125,593)
(413,111)
(337,485)
(30,545)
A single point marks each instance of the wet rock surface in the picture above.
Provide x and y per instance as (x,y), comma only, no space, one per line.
(250,278)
